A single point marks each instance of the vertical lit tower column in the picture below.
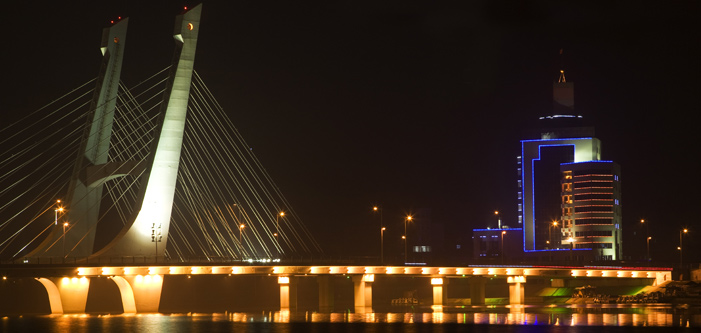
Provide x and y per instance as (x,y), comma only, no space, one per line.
(90,171)
(582,149)
(158,182)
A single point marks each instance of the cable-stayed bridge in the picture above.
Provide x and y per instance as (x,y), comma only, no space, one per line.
(152,182)
(103,172)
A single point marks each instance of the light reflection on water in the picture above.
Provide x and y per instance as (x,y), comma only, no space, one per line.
(559,315)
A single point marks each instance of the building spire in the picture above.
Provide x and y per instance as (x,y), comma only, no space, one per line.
(562,71)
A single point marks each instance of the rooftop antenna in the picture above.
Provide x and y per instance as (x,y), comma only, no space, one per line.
(562,72)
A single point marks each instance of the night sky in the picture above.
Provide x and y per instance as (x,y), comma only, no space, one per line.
(414,107)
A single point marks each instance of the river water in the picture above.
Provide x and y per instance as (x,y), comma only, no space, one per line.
(535,318)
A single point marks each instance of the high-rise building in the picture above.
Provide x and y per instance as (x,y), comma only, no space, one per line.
(562,146)
(591,207)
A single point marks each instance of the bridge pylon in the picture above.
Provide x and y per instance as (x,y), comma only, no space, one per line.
(92,169)
(148,234)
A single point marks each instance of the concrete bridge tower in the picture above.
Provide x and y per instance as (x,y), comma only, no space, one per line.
(148,234)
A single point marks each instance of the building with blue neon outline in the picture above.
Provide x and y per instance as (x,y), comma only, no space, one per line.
(551,218)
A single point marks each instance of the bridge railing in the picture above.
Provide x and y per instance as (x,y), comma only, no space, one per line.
(201,260)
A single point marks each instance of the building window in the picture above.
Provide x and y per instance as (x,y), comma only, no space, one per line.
(593,233)
(424,248)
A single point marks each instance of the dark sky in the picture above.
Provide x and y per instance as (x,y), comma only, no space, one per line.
(412,106)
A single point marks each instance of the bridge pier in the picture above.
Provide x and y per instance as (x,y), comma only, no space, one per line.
(516,289)
(66,295)
(362,291)
(477,290)
(326,293)
(440,290)
(139,293)
(288,292)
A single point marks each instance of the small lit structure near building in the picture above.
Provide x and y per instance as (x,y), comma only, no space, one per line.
(498,245)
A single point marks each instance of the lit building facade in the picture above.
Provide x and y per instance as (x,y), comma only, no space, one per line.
(591,207)
(540,190)
(568,197)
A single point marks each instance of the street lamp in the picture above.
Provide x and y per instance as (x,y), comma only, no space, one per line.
(571,240)
(496,212)
(382,227)
(681,247)
(502,246)
(550,232)
(382,245)
(241,226)
(647,233)
(379,209)
(277,222)
(65,224)
(59,209)
(408,219)
(404,238)
(648,248)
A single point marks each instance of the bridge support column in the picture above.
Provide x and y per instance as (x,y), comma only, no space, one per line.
(516,290)
(477,290)
(362,290)
(288,292)
(440,290)
(66,295)
(139,293)
(325,293)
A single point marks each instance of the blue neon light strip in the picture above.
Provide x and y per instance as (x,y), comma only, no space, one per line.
(563,139)
(533,184)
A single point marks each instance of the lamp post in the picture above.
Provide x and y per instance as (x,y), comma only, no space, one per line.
(277,222)
(382,228)
(550,232)
(404,238)
(502,246)
(571,240)
(379,209)
(65,224)
(647,234)
(496,212)
(241,226)
(408,219)
(648,248)
(59,209)
(382,245)
(681,246)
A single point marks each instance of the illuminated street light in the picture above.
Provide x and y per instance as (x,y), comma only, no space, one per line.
(59,209)
(277,222)
(382,245)
(550,232)
(65,224)
(496,212)
(382,228)
(681,247)
(647,233)
(502,246)
(241,226)
(408,219)
(648,248)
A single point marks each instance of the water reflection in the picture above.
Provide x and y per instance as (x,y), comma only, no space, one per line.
(550,315)
(560,315)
